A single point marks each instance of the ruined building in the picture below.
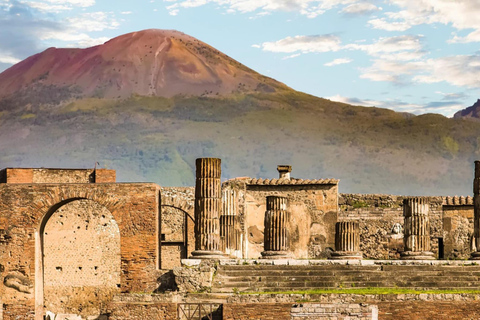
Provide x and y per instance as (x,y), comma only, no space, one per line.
(76,244)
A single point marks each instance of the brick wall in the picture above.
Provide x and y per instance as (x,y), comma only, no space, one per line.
(81,258)
(257,311)
(23,208)
(143,311)
(428,310)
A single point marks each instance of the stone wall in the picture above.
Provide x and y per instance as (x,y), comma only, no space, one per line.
(377,215)
(81,259)
(313,213)
(264,311)
(44,175)
(143,311)
(25,209)
(458,231)
(390,306)
(178,225)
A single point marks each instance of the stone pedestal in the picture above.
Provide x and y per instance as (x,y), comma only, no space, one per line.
(417,230)
(276,242)
(347,241)
(207,209)
(476,212)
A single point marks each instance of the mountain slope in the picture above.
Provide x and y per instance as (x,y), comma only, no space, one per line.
(155,136)
(470,113)
(150,62)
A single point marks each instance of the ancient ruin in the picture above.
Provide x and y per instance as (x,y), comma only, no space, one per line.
(417,230)
(75,244)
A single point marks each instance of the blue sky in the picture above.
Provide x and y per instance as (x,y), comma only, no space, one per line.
(415,56)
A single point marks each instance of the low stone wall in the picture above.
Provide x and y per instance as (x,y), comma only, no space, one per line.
(327,311)
(143,311)
(390,306)
(264,311)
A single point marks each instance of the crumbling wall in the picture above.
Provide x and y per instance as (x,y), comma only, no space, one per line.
(313,213)
(378,214)
(81,259)
(23,209)
(177,225)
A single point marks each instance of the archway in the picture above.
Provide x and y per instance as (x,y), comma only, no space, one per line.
(80,252)
(177,235)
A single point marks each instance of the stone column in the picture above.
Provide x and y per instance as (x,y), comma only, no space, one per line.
(207,209)
(417,230)
(347,241)
(229,233)
(276,241)
(476,212)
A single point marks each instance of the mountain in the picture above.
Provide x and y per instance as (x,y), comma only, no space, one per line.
(146,104)
(470,113)
(150,62)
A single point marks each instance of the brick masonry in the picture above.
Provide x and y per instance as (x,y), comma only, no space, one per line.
(24,212)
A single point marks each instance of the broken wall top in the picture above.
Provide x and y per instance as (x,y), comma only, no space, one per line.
(50,175)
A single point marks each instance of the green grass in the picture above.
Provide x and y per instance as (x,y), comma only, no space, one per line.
(362,291)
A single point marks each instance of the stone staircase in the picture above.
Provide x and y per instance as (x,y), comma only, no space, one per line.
(262,278)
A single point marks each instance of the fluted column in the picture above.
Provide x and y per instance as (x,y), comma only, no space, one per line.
(229,233)
(207,209)
(347,241)
(476,212)
(417,230)
(276,242)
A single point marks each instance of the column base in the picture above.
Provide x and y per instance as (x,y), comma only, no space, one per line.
(475,255)
(414,255)
(346,255)
(204,254)
(276,255)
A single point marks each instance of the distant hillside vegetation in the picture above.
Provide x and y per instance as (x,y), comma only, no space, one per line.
(118,107)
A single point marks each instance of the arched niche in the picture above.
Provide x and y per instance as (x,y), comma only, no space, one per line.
(78,258)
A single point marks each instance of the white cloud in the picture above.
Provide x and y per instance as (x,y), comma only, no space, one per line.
(309,8)
(445,108)
(304,44)
(75,32)
(460,70)
(291,56)
(8,59)
(337,62)
(383,24)
(360,8)
(93,21)
(76,3)
(460,14)
(56,6)
(473,36)
(126,12)
(398,44)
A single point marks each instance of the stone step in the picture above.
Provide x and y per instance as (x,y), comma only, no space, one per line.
(348,284)
(287,278)
(270,289)
(291,273)
(326,268)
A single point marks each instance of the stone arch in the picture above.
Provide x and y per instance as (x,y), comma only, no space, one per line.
(47,206)
(174,247)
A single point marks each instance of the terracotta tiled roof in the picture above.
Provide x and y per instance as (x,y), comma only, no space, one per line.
(292,181)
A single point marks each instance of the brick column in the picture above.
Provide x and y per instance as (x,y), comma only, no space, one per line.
(347,241)
(476,212)
(276,242)
(207,209)
(417,230)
